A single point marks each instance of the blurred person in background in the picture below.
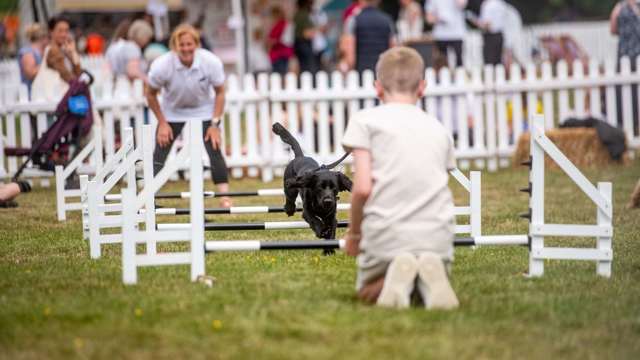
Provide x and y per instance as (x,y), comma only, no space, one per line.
(625,22)
(367,35)
(30,56)
(95,44)
(352,9)
(493,14)
(319,43)
(304,32)
(61,54)
(259,61)
(344,42)
(279,41)
(10,191)
(410,21)
(125,55)
(449,27)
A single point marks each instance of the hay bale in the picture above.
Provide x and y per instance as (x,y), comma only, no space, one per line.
(580,145)
(634,201)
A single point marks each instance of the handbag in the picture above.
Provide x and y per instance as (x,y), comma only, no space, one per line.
(48,85)
(78,105)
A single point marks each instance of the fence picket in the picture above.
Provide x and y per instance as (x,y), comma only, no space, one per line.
(501,104)
(338,109)
(563,95)
(627,106)
(490,104)
(322,123)
(478,118)
(595,106)
(307,143)
(547,97)
(265,128)
(517,117)
(462,103)
(251,121)
(610,92)
(579,93)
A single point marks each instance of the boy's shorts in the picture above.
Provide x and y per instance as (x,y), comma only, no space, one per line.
(371,269)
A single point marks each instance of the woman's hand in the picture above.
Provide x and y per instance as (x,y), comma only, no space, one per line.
(164,135)
(352,246)
(213,134)
(69,48)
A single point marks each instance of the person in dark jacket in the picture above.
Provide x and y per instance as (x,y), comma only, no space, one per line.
(304,31)
(368,34)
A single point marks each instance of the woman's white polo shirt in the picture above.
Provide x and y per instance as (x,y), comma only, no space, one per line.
(187,92)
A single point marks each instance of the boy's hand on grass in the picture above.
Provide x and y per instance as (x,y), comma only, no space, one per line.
(352,246)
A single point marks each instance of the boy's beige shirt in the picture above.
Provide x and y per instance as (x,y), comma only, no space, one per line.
(410,208)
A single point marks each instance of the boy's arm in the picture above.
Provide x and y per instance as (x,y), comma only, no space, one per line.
(362,184)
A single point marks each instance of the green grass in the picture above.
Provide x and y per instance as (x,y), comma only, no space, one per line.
(55,302)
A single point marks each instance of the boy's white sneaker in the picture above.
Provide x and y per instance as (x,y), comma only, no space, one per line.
(433,283)
(398,282)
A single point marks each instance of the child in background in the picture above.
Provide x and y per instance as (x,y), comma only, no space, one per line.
(402,219)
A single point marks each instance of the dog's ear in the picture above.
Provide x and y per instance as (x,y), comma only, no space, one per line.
(301,181)
(344,183)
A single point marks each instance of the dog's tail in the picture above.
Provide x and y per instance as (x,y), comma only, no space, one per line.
(286,136)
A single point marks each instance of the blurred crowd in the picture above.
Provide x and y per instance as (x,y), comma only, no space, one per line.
(298,35)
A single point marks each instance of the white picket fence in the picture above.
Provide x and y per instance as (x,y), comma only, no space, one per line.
(485,109)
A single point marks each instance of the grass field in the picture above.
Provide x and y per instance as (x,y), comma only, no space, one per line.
(55,302)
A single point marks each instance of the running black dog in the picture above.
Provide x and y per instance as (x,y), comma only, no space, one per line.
(318,187)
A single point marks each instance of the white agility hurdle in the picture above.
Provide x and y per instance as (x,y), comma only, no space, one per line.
(540,144)
(194,230)
(538,229)
(63,195)
(99,215)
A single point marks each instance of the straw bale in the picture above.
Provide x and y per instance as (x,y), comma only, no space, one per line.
(580,145)
(634,201)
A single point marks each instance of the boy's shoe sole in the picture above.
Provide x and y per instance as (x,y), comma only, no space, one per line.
(398,282)
(433,283)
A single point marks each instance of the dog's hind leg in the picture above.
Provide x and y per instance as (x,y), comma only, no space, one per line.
(290,201)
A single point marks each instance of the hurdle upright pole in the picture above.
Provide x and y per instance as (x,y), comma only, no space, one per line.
(536,202)
(147,175)
(196,185)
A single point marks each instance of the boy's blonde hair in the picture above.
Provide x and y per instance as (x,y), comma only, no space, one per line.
(181,30)
(400,70)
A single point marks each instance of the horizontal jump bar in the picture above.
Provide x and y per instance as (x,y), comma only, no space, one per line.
(253,245)
(208,194)
(275,225)
(234,210)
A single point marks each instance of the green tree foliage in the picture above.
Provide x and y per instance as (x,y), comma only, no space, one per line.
(560,10)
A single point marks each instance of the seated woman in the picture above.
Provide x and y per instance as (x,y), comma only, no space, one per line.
(8,192)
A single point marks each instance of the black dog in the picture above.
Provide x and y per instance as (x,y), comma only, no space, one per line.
(318,187)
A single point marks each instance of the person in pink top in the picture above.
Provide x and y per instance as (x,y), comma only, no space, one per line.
(279,41)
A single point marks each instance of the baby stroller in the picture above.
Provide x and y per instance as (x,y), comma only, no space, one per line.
(73,121)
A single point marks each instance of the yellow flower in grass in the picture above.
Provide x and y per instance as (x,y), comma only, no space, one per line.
(46,311)
(216,324)
(78,343)
(138,312)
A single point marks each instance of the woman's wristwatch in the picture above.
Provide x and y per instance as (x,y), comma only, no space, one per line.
(215,122)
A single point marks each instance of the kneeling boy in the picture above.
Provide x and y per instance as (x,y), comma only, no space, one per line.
(402,220)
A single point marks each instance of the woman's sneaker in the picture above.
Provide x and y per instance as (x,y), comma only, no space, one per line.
(433,283)
(398,282)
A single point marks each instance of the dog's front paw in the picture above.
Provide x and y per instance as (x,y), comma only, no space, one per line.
(290,209)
